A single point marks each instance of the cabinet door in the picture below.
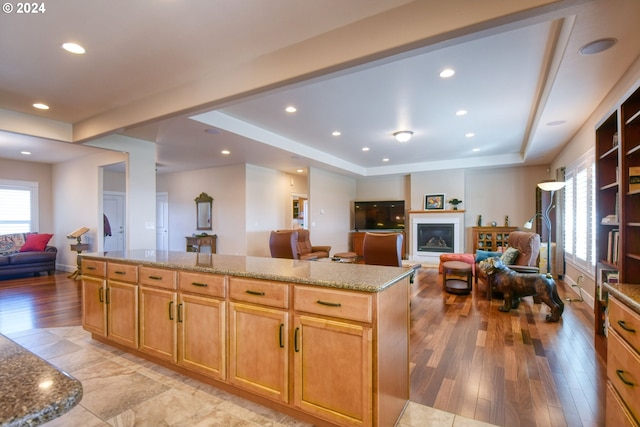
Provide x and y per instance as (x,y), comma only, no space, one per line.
(201,335)
(333,370)
(122,313)
(158,314)
(258,358)
(94,314)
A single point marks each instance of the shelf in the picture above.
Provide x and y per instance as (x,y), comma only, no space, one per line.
(614,150)
(633,224)
(633,150)
(631,193)
(610,186)
(609,265)
(632,118)
(634,256)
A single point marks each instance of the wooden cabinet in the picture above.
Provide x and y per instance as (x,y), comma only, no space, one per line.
(357,241)
(333,359)
(492,239)
(202,325)
(623,363)
(158,326)
(195,244)
(258,337)
(94,285)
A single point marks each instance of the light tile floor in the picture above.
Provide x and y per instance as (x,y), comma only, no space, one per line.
(123,390)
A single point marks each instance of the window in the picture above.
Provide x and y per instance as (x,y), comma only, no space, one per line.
(579,219)
(18,206)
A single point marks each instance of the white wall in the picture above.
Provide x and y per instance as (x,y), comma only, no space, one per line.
(331,198)
(227,187)
(76,185)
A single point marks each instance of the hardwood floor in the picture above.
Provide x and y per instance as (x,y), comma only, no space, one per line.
(467,358)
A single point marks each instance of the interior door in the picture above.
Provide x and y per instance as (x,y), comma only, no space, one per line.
(113,206)
(162,221)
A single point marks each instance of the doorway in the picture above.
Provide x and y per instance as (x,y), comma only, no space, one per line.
(113,208)
(162,221)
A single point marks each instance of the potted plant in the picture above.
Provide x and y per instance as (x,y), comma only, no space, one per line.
(455,203)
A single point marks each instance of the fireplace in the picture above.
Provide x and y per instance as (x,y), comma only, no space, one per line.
(435,238)
(434,233)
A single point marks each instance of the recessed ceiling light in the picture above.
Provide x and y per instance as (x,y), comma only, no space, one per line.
(41,106)
(385,159)
(461,112)
(336,133)
(446,73)
(300,170)
(74,48)
(26,153)
(226,152)
(470,134)
(365,148)
(557,123)
(597,46)
(291,109)
(475,150)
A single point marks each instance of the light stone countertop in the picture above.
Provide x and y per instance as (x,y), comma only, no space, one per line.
(32,392)
(333,274)
(627,293)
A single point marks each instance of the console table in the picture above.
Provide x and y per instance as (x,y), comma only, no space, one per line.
(194,244)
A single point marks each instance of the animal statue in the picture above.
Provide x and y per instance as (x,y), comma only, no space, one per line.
(514,286)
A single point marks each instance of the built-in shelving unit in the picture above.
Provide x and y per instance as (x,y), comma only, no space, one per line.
(618,197)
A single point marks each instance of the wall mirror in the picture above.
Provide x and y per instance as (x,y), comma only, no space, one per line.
(203,211)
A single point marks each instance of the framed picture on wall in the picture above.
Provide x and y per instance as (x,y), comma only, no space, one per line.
(433,202)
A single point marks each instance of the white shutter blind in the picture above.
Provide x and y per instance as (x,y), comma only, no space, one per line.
(569,217)
(18,207)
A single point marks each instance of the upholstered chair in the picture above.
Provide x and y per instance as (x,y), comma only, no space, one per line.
(383,249)
(306,250)
(283,244)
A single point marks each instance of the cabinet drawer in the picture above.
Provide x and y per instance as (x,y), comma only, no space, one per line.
(623,370)
(122,272)
(95,268)
(617,414)
(158,277)
(336,303)
(259,292)
(625,322)
(203,284)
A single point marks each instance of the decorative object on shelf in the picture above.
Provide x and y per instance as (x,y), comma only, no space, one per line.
(634,179)
(615,139)
(506,220)
(552,187)
(203,211)
(433,202)
(494,224)
(479,220)
(78,247)
(455,202)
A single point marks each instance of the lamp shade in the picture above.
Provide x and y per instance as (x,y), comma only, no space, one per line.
(551,185)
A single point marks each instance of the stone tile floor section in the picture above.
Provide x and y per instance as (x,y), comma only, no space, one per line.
(123,390)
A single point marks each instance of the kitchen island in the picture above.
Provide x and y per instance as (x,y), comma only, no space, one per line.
(326,342)
(32,392)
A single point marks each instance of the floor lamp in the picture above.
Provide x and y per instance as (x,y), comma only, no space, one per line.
(552,186)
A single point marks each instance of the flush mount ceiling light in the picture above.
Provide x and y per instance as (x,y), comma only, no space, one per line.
(291,109)
(74,48)
(446,73)
(403,135)
(41,106)
(597,46)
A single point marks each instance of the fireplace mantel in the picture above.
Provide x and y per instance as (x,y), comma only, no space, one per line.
(454,217)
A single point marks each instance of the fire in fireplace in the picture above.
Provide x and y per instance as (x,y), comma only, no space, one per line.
(435,238)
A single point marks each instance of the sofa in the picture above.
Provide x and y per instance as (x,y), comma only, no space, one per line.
(26,253)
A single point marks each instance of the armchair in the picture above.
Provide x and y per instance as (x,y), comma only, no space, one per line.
(305,250)
(282,244)
(383,249)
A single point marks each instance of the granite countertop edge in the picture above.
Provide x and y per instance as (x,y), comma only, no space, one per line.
(349,279)
(627,293)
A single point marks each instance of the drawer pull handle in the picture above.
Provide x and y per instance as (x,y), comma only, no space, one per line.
(624,326)
(90,268)
(260,294)
(619,372)
(202,285)
(281,335)
(120,272)
(330,304)
(295,340)
(155,277)
(170,310)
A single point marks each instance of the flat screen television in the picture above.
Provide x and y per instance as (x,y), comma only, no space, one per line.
(379,215)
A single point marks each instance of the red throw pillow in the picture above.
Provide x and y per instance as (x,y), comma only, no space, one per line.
(36,242)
